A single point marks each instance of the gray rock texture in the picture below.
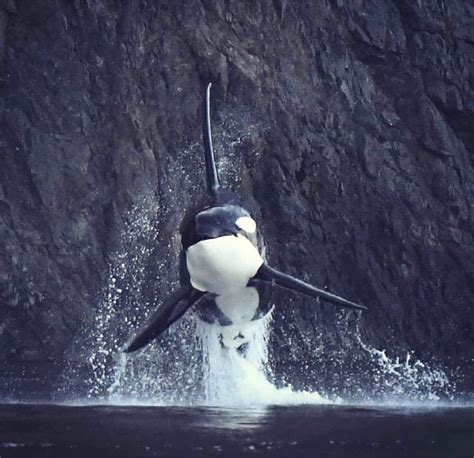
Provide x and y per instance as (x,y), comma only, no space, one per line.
(349,126)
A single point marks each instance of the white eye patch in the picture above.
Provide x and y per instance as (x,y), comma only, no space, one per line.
(247,224)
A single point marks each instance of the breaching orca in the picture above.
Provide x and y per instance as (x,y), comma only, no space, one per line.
(224,276)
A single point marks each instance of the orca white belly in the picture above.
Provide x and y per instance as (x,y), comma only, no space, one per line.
(240,306)
(223,265)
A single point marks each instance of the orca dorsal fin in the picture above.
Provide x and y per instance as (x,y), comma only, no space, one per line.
(213,184)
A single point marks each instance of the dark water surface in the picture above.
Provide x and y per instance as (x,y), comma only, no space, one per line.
(280,431)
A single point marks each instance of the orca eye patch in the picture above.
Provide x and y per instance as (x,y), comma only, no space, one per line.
(247,224)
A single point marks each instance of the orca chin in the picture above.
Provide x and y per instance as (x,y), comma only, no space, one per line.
(225,277)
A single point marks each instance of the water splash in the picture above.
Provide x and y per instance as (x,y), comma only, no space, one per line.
(204,374)
(124,300)
(406,378)
(233,379)
(153,374)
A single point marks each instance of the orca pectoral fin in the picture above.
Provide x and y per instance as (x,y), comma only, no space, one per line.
(269,274)
(165,315)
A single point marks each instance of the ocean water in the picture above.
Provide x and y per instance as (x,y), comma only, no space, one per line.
(275,431)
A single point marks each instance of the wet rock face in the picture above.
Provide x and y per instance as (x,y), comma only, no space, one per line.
(347,125)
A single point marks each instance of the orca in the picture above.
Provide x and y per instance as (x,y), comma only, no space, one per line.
(224,276)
